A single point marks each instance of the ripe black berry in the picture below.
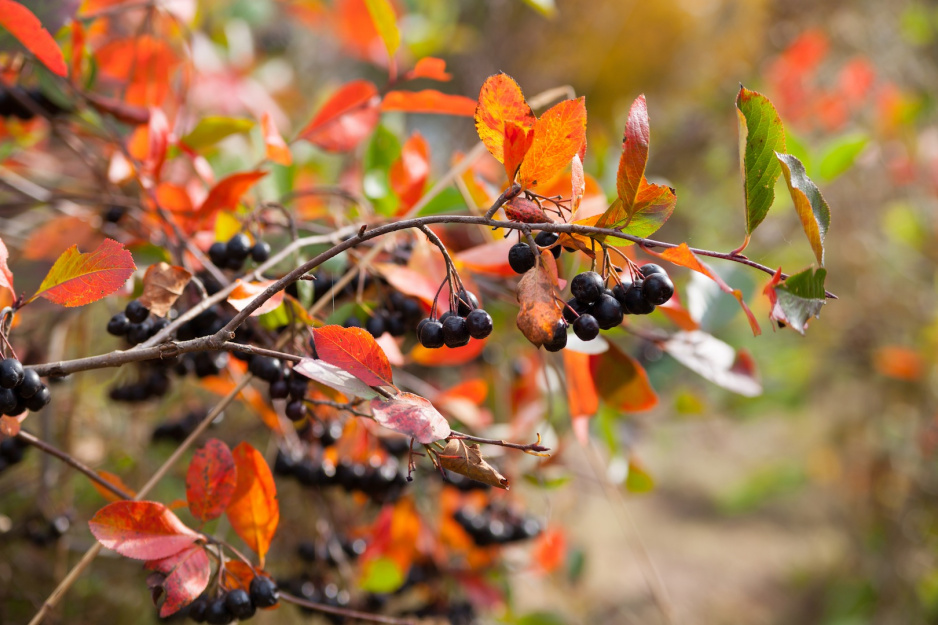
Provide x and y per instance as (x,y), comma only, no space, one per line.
(635,301)
(11,373)
(608,312)
(619,291)
(7,401)
(139,332)
(479,324)
(467,302)
(657,288)
(586,327)
(264,592)
(455,332)
(218,254)
(375,326)
(217,612)
(118,325)
(238,247)
(297,386)
(30,385)
(352,322)
(431,334)
(573,309)
(545,239)
(394,324)
(136,312)
(114,213)
(266,368)
(559,340)
(39,401)
(587,286)
(521,257)
(260,252)
(197,609)
(239,604)
(295,410)
(652,268)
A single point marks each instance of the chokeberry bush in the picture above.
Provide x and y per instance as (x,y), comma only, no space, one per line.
(341,349)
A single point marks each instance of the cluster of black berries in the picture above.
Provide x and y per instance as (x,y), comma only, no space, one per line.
(206,323)
(177,430)
(135,324)
(494,526)
(11,103)
(235,604)
(382,480)
(284,384)
(232,253)
(11,451)
(399,314)
(521,257)
(331,551)
(42,532)
(21,389)
(454,329)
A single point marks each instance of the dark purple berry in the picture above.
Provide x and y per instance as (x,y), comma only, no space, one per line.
(587,287)
(635,301)
(297,386)
(619,291)
(467,302)
(352,322)
(266,368)
(260,252)
(7,401)
(238,247)
(11,373)
(118,325)
(521,257)
(30,385)
(586,327)
(431,335)
(39,401)
(239,604)
(608,312)
(395,325)
(559,340)
(217,612)
(295,410)
(139,332)
(573,309)
(114,214)
(218,254)
(546,239)
(479,324)
(264,592)
(455,332)
(375,326)
(652,268)
(657,288)
(136,312)
(197,609)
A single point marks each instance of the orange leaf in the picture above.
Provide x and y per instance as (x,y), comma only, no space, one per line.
(489,258)
(26,27)
(78,50)
(162,286)
(501,101)
(355,351)
(409,282)
(428,101)
(227,193)
(447,356)
(558,136)
(146,62)
(186,576)
(254,512)
(250,395)
(275,147)
(143,530)
(48,240)
(683,256)
(430,68)
(77,279)
(550,550)
(210,480)
(346,118)
(408,174)
(238,574)
(111,478)
(246,292)
(6,276)
(900,363)
(634,153)
(673,310)
(474,391)
(582,398)
(517,143)
(412,415)
(621,381)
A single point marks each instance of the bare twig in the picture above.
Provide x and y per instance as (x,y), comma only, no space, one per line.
(363,616)
(535,449)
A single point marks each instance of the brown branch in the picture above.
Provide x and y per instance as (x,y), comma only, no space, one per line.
(363,616)
(535,449)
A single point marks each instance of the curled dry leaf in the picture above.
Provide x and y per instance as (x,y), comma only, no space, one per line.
(162,285)
(412,415)
(467,460)
(539,314)
(246,292)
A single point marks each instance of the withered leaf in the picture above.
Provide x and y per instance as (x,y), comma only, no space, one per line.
(467,460)
(539,313)
(162,285)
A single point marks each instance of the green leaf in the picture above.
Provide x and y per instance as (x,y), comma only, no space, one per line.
(812,209)
(799,298)
(382,575)
(761,135)
(538,479)
(638,480)
(547,8)
(382,14)
(541,618)
(383,149)
(210,130)
(449,200)
(840,155)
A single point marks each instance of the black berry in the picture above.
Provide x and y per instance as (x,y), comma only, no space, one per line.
(295,410)
(197,609)
(30,385)
(635,301)
(118,325)
(113,214)
(608,312)
(652,268)
(218,254)
(431,334)
(352,322)
(574,308)
(375,326)
(239,604)
(586,327)
(136,311)
(395,325)
(264,592)
(479,324)
(139,332)
(619,291)
(297,386)
(217,612)
(521,257)
(7,401)
(546,239)
(39,401)
(11,373)
(455,332)
(238,247)
(467,302)
(587,286)
(260,252)
(559,340)
(657,288)
(266,368)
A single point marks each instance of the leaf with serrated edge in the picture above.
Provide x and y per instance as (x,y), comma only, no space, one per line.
(253,511)
(412,415)
(761,135)
(799,298)
(354,350)
(210,480)
(714,360)
(186,575)
(467,460)
(334,377)
(501,101)
(143,530)
(812,209)
(558,135)
(162,286)
(77,279)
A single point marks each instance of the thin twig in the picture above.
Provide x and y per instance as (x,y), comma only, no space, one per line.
(535,449)
(363,616)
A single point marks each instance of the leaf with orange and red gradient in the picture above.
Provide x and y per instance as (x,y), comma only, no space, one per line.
(275,148)
(250,395)
(210,480)
(143,530)
(246,292)
(185,577)
(346,118)
(408,174)
(558,136)
(6,276)
(430,68)
(550,550)
(412,415)
(162,285)
(28,30)
(582,397)
(253,511)
(77,279)
(238,574)
(355,351)
(683,256)
(518,141)
(226,194)
(145,62)
(488,258)
(621,381)
(115,480)
(501,101)
(716,361)
(539,314)
(428,101)
(634,152)
(899,363)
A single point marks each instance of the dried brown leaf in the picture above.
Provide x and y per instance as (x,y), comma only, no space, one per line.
(539,314)
(467,460)
(162,285)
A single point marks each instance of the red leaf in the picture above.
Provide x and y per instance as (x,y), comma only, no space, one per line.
(254,512)
(447,356)
(246,292)
(27,28)
(517,143)
(334,377)
(430,68)
(112,478)
(428,101)
(550,550)
(412,415)
(186,576)
(143,530)
(275,147)
(210,480)
(408,174)
(77,279)
(621,381)
(501,101)
(146,62)
(346,118)
(227,193)
(489,258)
(558,136)
(634,152)
(158,140)
(6,276)
(355,351)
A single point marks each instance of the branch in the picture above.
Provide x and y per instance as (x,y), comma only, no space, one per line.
(363,616)
(535,449)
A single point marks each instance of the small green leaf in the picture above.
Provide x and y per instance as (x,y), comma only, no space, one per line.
(382,575)
(546,482)
(761,135)
(210,130)
(799,298)
(383,149)
(638,480)
(840,155)
(812,209)
(382,14)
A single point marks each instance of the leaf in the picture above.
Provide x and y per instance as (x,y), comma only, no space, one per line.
(840,155)
(517,143)
(112,478)
(6,276)
(467,460)
(162,286)
(355,351)
(430,68)
(408,174)
(275,148)
(577,184)
(621,381)
(186,576)
(246,292)
(488,258)
(412,415)
(539,314)
(653,207)
(143,530)
(381,575)
(899,363)
(334,377)
(382,14)
(683,256)
(582,398)
(550,549)
(799,298)
(238,574)
(146,62)
(638,480)
(716,361)
(428,101)
(813,211)
(77,279)
(558,136)
(210,480)
(212,129)
(253,511)
(26,27)
(761,135)
(226,194)
(634,157)
(501,101)
(345,119)
(448,356)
